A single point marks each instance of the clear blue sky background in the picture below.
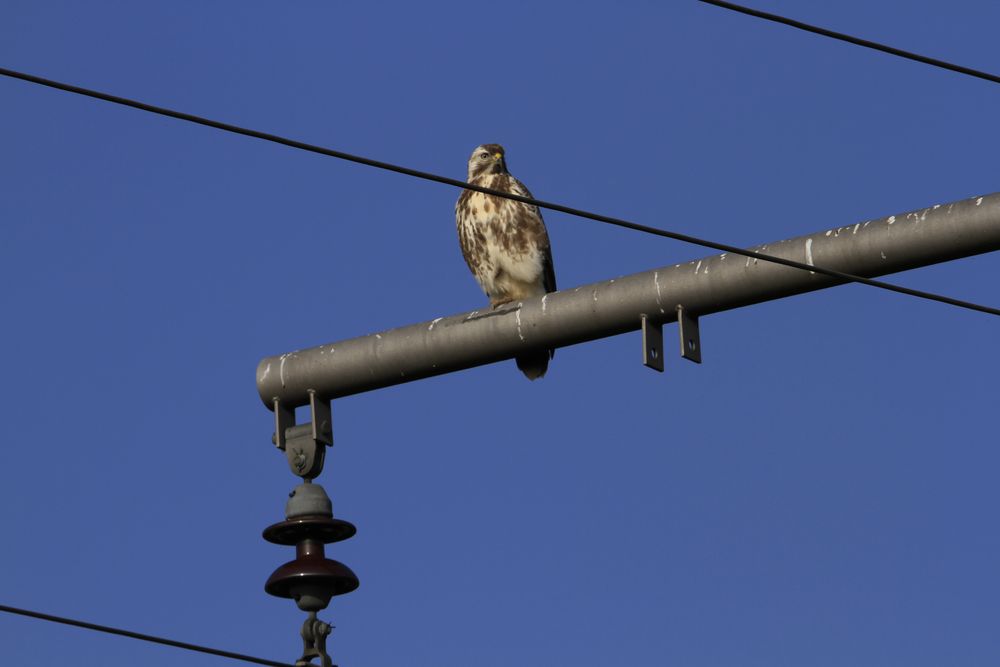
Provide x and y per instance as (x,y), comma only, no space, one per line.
(821,491)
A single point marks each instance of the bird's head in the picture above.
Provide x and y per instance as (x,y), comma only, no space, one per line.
(487,159)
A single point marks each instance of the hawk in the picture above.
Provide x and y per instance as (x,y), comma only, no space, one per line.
(504,242)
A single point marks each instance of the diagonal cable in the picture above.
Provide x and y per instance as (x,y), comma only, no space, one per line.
(677,236)
(867,43)
(143,637)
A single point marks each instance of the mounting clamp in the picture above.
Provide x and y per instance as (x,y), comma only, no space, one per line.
(652,339)
(314,633)
(304,445)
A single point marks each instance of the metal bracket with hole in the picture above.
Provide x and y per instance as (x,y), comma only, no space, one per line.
(690,337)
(305,444)
(652,344)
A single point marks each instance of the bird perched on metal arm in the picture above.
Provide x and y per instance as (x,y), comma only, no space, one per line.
(505,242)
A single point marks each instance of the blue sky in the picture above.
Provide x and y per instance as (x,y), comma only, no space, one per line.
(821,491)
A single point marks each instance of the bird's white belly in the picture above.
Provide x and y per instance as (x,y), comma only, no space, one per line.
(526,267)
(517,276)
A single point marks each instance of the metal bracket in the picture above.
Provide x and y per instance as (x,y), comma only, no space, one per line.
(314,634)
(652,344)
(284,419)
(305,444)
(690,337)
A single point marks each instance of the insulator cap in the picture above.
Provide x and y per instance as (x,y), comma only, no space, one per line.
(306,500)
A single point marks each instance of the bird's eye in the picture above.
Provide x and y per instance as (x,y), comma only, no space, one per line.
(483,156)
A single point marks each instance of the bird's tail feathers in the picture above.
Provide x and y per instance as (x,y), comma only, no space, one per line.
(535,364)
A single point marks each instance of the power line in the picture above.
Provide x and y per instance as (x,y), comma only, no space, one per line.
(961,69)
(143,637)
(847,277)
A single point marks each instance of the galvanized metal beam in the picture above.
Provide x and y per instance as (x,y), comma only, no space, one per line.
(722,282)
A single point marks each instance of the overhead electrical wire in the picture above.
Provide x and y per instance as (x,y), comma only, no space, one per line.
(867,43)
(143,637)
(677,236)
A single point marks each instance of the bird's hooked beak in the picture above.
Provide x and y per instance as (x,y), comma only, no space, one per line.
(498,156)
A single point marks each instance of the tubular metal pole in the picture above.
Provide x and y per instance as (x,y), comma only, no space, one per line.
(709,285)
